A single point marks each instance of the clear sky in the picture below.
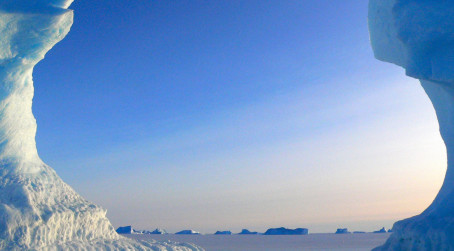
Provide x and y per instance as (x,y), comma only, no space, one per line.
(223,115)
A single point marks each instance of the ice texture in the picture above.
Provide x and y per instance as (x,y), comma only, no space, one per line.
(38,211)
(418,35)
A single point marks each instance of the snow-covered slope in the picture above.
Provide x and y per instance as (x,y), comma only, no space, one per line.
(419,36)
(38,211)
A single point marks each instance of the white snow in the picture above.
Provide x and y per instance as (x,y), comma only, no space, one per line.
(38,211)
(419,36)
(312,242)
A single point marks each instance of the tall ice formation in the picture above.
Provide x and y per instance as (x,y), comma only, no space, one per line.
(418,35)
(38,211)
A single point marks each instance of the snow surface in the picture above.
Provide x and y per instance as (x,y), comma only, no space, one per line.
(38,211)
(419,36)
(313,242)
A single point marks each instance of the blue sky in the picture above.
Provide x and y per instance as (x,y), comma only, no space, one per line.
(218,115)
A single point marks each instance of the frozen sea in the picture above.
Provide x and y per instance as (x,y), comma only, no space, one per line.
(337,242)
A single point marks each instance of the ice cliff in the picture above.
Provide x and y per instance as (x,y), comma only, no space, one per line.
(38,211)
(418,35)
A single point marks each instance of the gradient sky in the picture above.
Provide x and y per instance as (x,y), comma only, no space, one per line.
(223,115)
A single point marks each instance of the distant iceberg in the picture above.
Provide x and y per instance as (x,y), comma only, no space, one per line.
(245,231)
(125,230)
(130,230)
(381,231)
(286,231)
(223,233)
(159,231)
(342,231)
(188,232)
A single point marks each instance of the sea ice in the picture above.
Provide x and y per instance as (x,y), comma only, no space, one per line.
(419,36)
(38,211)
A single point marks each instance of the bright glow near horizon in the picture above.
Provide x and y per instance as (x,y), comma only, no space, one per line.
(315,133)
(365,163)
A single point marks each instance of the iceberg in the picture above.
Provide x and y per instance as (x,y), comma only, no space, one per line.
(342,231)
(223,233)
(286,231)
(418,35)
(158,231)
(125,230)
(38,211)
(188,232)
(245,231)
(381,231)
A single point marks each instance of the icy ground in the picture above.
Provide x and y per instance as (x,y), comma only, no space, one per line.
(312,242)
